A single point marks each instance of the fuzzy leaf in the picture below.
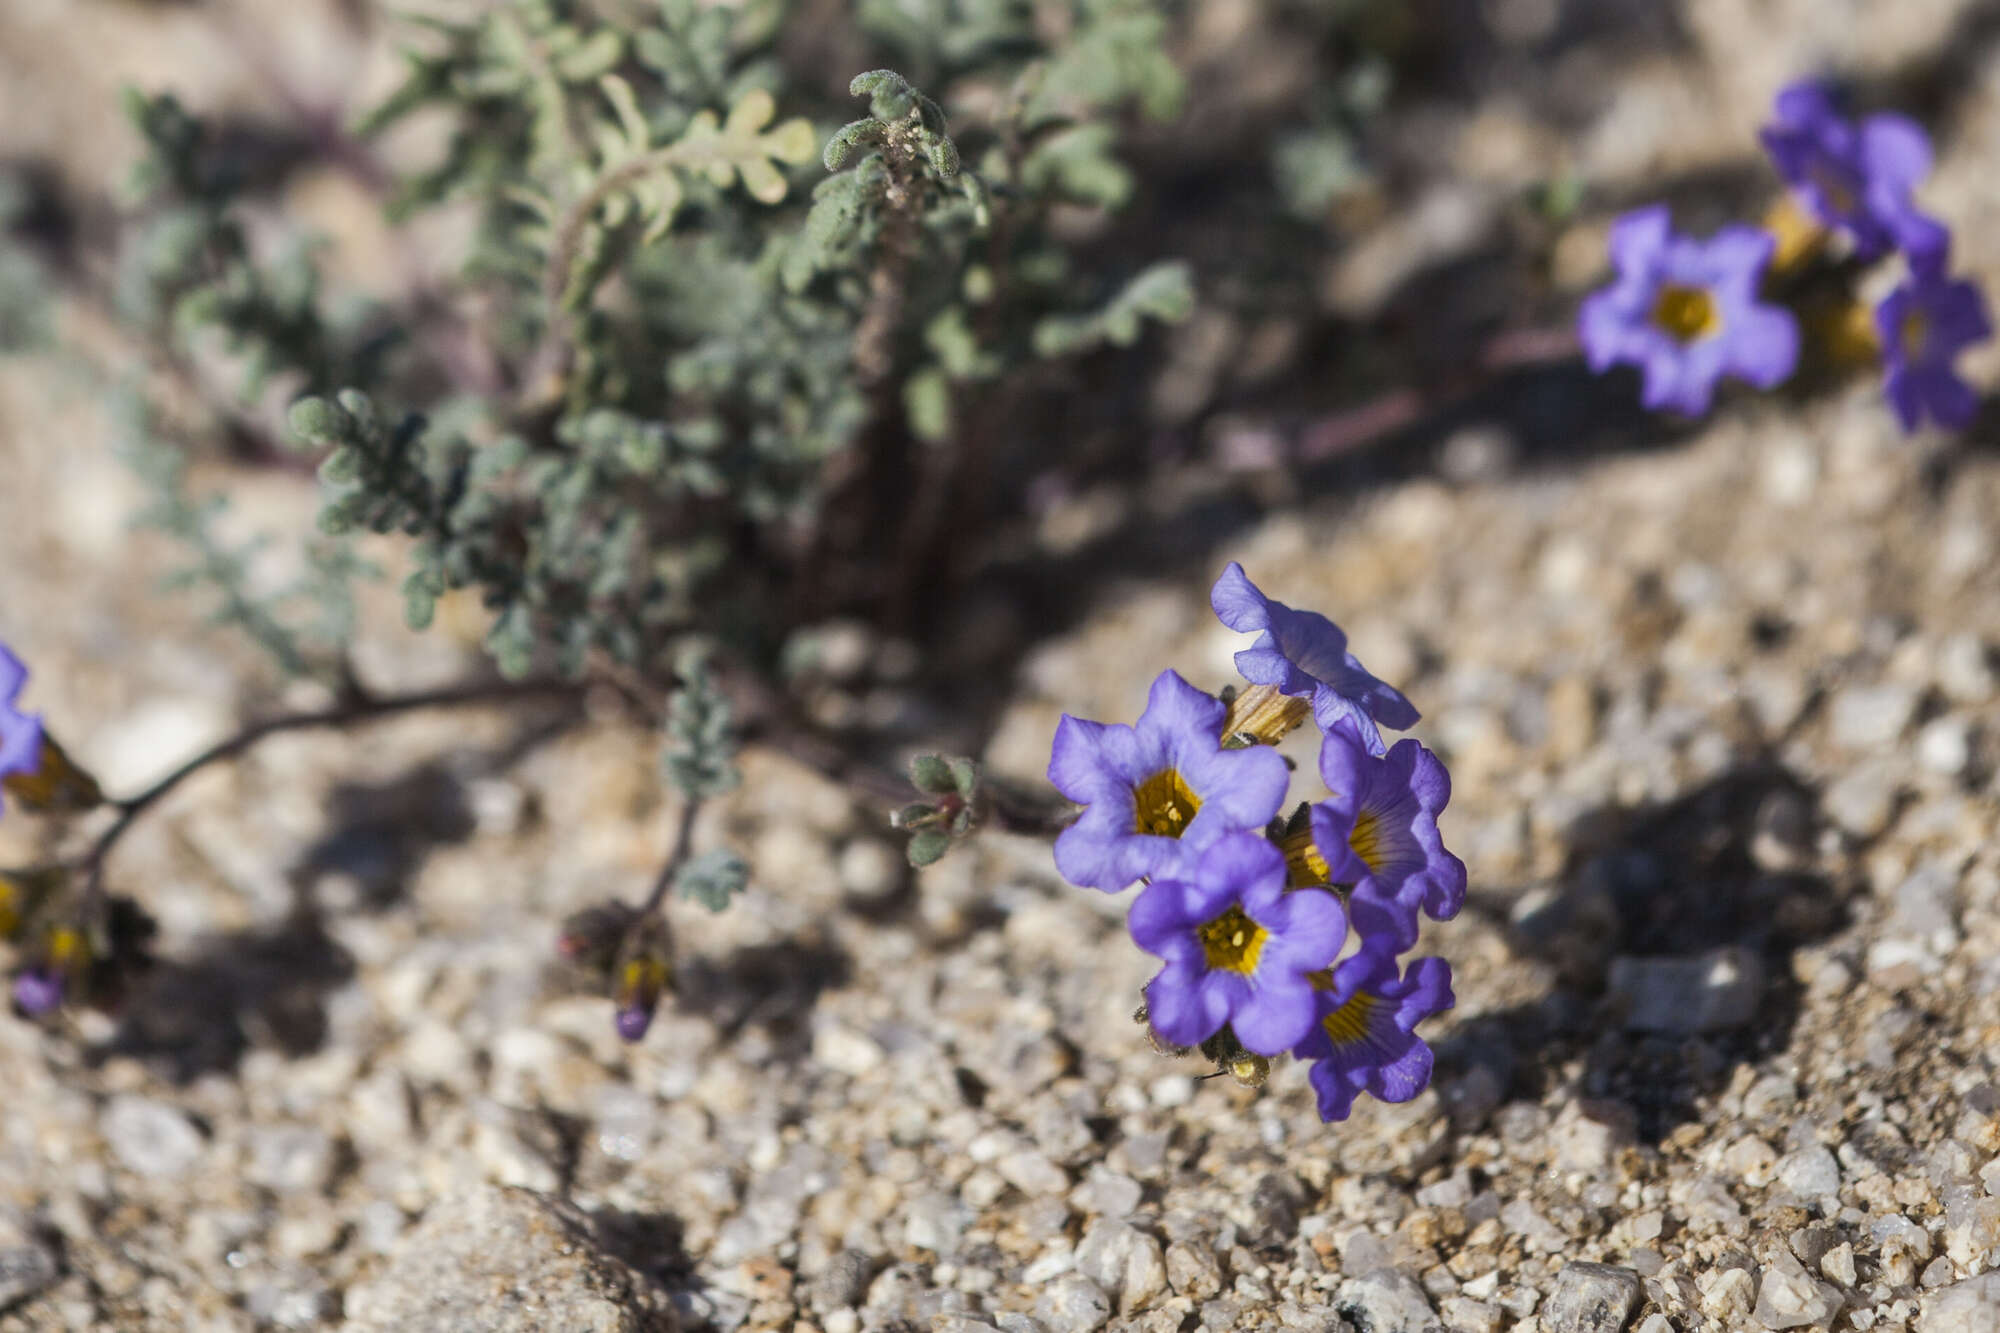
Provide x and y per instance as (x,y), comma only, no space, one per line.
(931,773)
(928,847)
(713,879)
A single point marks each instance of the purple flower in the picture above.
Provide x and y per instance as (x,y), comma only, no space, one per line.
(1304,653)
(1924,324)
(1148,788)
(1239,948)
(1857,180)
(1365,1039)
(642,980)
(1379,831)
(20,733)
(1686,312)
(38,991)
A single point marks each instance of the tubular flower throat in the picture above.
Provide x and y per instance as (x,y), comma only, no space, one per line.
(1347,1026)
(1366,840)
(1232,942)
(1687,314)
(1164,805)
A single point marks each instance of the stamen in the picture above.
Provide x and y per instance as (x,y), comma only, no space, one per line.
(1232,942)
(1164,805)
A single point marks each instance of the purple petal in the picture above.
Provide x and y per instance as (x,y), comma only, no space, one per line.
(1175,710)
(1401,1078)
(1181,1009)
(38,991)
(1764,348)
(13,675)
(1276,1017)
(1078,764)
(1237,602)
(1385,920)
(1905,400)
(1308,926)
(1639,238)
(1894,151)
(1336,1089)
(1162,919)
(1239,789)
(1804,105)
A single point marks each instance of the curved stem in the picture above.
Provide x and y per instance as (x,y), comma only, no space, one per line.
(683,843)
(360,708)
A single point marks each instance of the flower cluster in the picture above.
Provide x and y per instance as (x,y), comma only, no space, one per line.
(1686,312)
(1278,932)
(64,955)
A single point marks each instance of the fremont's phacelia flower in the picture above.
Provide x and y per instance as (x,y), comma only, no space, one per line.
(1303,653)
(20,733)
(38,991)
(642,981)
(1924,324)
(1378,830)
(59,964)
(1857,179)
(1148,788)
(1365,1039)
(1238,946)
(1686,312)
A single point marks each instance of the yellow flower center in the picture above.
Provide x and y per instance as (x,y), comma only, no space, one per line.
(1231,942)
(68,947)
(1913,333)
(1686,313)
(1366,840)
(1348,1025)
(1304,866)
(10,908)
(1164,805)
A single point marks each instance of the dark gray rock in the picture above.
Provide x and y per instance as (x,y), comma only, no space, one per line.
(1710,992)
(24,1270)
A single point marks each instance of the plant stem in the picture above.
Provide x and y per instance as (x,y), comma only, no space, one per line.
(361,708)
(683,843)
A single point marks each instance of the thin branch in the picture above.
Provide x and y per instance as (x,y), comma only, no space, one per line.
(346,713)
(683,844)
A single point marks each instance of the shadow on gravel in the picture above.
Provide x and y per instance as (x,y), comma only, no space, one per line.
(773,985)
(379,834)
(1668,945)
(650,1242)
(267,986)
(200,1015)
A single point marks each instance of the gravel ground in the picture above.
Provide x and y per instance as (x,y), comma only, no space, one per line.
(1723,722)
